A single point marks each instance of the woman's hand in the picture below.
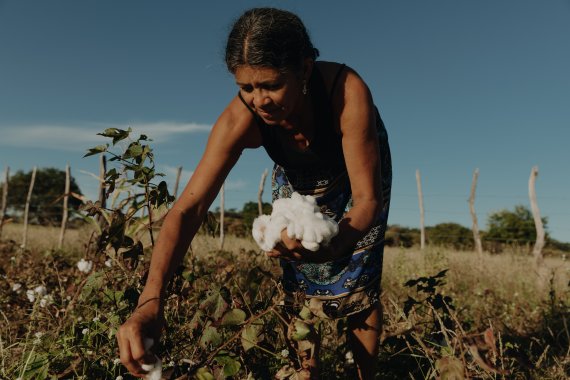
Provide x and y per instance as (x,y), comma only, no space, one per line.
(145,322)
(292,250)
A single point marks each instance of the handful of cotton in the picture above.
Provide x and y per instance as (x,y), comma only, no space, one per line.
(154,370)
(302,219)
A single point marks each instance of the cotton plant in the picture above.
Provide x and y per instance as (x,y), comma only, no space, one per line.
(300,216)
(39,292)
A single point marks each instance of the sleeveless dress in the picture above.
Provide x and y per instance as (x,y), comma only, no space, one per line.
(351,284)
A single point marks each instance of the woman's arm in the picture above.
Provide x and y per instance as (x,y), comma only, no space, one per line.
(230,135)
(357,121)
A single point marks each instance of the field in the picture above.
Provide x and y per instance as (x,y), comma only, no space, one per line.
(447,315)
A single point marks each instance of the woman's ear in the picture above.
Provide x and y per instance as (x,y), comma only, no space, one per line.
(308,64)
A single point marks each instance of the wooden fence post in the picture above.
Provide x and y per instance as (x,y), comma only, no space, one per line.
(421,201)
(476,237)
(65,206)
(27,208)
(102,189)
(539,244)
(222,217)
(4,199)
(178,174)
(260,192)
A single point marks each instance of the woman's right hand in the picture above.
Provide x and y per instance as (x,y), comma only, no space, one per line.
(145,322)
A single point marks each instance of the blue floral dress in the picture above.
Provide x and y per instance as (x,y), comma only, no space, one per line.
(351,284)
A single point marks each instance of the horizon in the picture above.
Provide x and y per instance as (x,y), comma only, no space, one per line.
(460,85)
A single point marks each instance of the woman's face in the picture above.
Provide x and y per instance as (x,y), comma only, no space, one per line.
(274,95)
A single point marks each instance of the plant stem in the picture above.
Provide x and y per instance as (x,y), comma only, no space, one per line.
(149,206)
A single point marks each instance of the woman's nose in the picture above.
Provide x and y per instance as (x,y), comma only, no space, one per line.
(260,99)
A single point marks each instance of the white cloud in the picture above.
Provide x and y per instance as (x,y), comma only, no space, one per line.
(238,184)
(80,137)
(171,172)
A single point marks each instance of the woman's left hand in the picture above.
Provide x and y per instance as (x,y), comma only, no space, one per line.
(292,250)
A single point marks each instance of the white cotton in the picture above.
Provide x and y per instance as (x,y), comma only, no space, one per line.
(301,217)
(84,266)
(258,231)
(17,287)
(40,290)
(31,295)
(46,300)
(154,370)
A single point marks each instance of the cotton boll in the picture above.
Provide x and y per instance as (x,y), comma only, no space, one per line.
(309,233)
(301,217)
(295,230)
(46,300)
(273,232)
(258,229)
(31,295)
(84,266)
(154,370)
(40,290)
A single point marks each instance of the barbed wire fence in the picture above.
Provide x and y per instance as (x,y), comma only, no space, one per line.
(537,249)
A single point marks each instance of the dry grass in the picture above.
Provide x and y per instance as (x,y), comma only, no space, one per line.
(527,308)
(41,238)
(508,275)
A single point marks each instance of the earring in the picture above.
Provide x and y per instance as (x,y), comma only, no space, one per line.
(305,87)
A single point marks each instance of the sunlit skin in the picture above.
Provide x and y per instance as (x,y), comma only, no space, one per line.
(272,94)
(278,99)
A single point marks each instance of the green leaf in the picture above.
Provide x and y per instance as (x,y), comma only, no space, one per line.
(441,274)
(133,151)
(305,313)
(409,304)
(250,336)
(233,317)
(94,283)
(301,330)
(229,364)
(214,305)
(196,320)
(116,134)
(210,337)
(96,150)
(113,296)
(204,373)
(411,283)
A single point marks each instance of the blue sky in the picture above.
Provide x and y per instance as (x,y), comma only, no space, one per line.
(460,85)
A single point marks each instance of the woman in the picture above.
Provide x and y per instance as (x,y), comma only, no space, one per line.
(318,122)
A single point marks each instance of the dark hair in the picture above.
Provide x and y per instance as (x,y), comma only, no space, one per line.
(269,37)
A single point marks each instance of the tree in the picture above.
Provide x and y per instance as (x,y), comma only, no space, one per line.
(250,211)
(451,234)
(46,206)
(398,236)
(512,227)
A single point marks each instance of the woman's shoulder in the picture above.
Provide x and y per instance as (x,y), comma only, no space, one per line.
(239,124)
(339,75)
(345,86)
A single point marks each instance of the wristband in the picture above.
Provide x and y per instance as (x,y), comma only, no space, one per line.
(147,301)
